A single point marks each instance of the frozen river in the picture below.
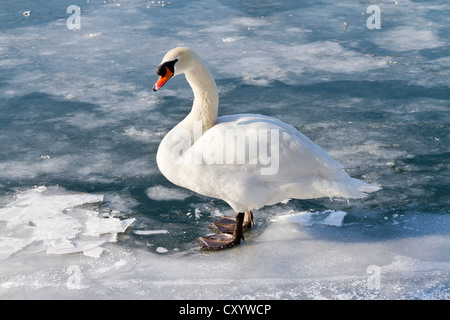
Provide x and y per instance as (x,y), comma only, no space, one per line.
(86,214)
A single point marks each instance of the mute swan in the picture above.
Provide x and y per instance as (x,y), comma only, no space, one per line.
(247,160)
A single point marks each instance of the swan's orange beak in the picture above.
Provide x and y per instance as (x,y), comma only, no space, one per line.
(163,79)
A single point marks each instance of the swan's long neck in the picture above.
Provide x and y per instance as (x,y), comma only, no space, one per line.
(206,98)
(202,117)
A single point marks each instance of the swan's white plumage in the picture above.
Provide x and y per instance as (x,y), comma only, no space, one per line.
(304,170)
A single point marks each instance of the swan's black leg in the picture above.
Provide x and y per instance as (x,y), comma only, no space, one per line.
(248,220)
(238,233)
(224,240)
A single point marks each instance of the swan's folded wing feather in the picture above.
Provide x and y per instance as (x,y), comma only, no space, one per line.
(248,143)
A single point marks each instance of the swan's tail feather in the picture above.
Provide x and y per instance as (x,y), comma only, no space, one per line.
(340,184)
(318,187)
(354,188)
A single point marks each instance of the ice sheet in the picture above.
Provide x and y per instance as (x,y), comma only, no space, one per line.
(328,217)
(287,261)
(50,220)
(161,193)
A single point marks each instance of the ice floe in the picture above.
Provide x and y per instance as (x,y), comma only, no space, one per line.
(53,220)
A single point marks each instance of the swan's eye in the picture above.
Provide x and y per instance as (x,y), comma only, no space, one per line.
(161,71)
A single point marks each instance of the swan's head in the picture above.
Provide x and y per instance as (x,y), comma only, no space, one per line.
(175,62)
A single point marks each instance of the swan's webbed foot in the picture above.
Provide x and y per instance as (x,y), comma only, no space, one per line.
(228,224)
(226,240)
(218,241)
(224,225)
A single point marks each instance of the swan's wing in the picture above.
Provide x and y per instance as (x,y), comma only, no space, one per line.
(265,146)
(286,164)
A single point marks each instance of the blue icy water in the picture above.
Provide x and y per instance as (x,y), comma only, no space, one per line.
(85,212)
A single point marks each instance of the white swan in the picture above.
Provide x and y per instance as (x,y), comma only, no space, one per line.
(247,160)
